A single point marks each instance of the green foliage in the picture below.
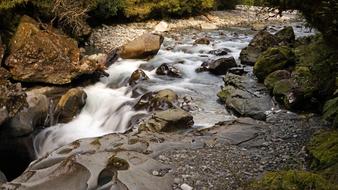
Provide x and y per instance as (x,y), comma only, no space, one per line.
(323,147)
(7,4)
(330,111)
(291,180)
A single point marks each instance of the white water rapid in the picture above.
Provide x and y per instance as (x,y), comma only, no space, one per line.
(109,110)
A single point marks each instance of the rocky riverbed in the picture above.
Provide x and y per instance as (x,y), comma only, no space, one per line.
(178,110)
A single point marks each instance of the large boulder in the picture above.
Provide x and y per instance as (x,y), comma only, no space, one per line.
(167,121)
(272,60)
(286,36)
(46,56)
(160,100)
(70,105)
(29,118)
(109,162)
(260,43)
(142,47)
(276,76)
(244,97)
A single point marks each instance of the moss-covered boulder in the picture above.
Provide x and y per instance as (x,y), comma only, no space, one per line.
(286,36)
(46,56)
(316,60)
(272,60)
(323,148)
(260,43)
(276,76)
(286,93)
(292,180)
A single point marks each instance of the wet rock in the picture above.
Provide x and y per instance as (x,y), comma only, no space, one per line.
(31,117)
(208,26)
(220,52)
(70,105)
(108,162)
(218,66)
(147,67)
(12,97)
(160,100)
(222,65)
(45,56)
(245,98)
(287,93)
(202,41)
(276,76)
(169,70)
(273,59)
(137,76)
(260,43)
(142,47)
(237,71)
(286,36)
(186,187)
(167,121)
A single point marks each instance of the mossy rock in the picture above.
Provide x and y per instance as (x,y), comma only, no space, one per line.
(323,147)
(272,60)
(316,60)
(276,76)
(292,180)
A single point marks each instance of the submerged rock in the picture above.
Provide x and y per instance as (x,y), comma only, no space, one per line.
(160,100)
(260,43)
(203,41)
(245,98)
(272,60)
(137,76)
(168,120)
(45,56)
(70,105)
(169,70)
(142,47)
(220,52)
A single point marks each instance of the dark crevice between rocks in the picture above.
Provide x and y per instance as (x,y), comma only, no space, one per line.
(16,154)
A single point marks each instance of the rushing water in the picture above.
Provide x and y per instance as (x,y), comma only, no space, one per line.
(109,106)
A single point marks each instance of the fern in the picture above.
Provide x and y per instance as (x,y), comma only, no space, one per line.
(331,111)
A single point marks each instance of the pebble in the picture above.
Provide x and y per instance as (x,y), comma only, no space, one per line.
(185,186)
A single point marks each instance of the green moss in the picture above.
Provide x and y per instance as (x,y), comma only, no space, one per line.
(272,60)
(323,147)
(117,163)
(274,77)
(223,95)
(7,4)
(316,61)
(292,180)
